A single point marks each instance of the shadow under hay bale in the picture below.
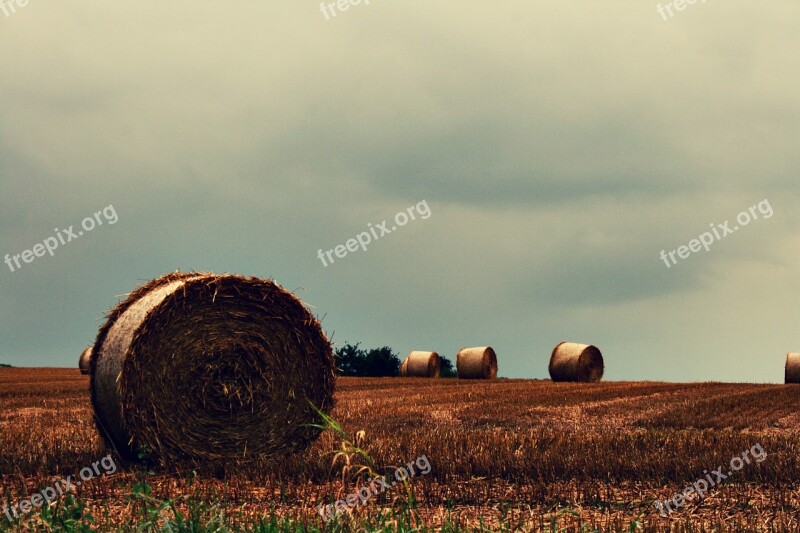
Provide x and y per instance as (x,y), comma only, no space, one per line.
(85,360)
(206,369)
(421,365)
(792,367)
(576,362)
(476,363)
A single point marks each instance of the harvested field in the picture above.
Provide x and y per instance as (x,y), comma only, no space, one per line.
(511,453)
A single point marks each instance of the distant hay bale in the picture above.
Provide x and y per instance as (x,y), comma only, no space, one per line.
(576,362)
(793,367)
(476,363)
(421,365)
(207,369)
(84,362)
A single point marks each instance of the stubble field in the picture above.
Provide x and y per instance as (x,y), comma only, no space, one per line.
(506,454)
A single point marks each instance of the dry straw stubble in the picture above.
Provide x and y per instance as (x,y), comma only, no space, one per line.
(476,363)
(202,368)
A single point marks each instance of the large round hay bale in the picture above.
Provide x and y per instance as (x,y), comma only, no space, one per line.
(476,363)
(793,367)
(85,360)
(204,369)
(421,365)
(576,362)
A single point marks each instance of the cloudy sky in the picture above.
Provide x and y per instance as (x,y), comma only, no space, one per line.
(560,147)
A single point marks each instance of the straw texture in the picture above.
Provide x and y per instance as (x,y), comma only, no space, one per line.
(421,365)
(576,362)
(476,363)
(793,367)
(200,368)
(84,362)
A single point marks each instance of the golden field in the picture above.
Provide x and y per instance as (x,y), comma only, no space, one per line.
(505,455)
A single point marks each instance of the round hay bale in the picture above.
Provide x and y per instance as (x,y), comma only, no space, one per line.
(84,361)
(404,368)
(207,369)
(421,365)
(476,363)
(793,367)
(576,362)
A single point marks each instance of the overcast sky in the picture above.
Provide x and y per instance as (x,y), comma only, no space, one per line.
(560,147)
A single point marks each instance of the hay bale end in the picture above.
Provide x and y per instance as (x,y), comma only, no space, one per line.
(421,364)
(792,371)
(575,362)
(85,360)
(476,363)
(209,370)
